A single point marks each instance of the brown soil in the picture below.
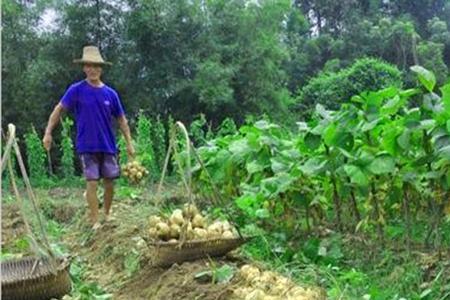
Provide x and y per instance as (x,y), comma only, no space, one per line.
(13,226)
(176,283)
(106,251)
(116,256)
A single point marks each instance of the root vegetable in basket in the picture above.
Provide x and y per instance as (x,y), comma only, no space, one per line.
(213,234)
(190,234)
(153,220)
(175,231)
(198,221)
(153,233)
(215,227)
(163,230)
(189,210)
(177,217)
(226,226)
(200,233)
(227,235)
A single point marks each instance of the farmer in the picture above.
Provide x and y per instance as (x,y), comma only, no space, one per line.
(94,104)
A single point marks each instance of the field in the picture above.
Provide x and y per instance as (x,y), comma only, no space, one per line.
(320,130)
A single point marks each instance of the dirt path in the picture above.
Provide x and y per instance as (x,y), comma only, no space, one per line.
(116,256)
(118,260)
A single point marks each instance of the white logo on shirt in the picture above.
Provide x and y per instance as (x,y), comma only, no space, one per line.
(106,102)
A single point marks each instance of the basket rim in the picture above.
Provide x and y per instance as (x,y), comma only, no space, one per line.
(63,266)
(200,241)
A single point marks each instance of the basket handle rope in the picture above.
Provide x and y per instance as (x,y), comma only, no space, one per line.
(172,147)
(45,244)
(186,174)
(11,136)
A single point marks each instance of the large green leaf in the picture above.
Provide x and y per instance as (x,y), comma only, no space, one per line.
(220,275)
(335,135)
(329,135)
(404,139)
(240,147)
(312,141)
(433,102)
(313,166)
(444,152)
(382,165)
(247,203)
(320,110)
(367,126)
(356,175)
(224,274)
(278,165)
(393,105)
(279,183)
(254,167)
(264,125)
(389,140)
(446,97)
(426,77)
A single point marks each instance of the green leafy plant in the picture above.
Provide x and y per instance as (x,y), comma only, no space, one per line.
(36,157)
(221,274)
(197,130)
(369,160)
(83,290)
(333,88)
(159,140)
(144,143)
(122,145)
(131,262)
(67,149)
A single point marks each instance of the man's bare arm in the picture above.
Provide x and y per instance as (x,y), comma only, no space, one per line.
(123,124)
(52,122)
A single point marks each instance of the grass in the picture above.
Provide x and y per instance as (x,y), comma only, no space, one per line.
(348,270)
(348,266)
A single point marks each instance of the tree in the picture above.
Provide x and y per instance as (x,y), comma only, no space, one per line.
(332,89)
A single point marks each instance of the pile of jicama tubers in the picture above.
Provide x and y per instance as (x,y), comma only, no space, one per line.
(190,223)
(134,171)
(269,285)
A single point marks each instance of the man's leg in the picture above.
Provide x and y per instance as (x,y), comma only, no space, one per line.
(91,196)
(108,195)
(91,172)
(110,170)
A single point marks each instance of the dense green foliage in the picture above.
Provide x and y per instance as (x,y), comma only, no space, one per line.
(68,153)
(221,58)
(332,88)
(372,167)
(159,140)
(36,157)
(144,143)
(369,153)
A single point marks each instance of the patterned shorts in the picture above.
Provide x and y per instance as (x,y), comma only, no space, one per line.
(99,165)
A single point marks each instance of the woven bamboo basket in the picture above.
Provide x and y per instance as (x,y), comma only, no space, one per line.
(21,282)
(165,254)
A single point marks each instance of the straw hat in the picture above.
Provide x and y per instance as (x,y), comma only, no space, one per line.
(92,55)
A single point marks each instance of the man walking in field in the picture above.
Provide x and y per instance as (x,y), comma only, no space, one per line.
(94,105)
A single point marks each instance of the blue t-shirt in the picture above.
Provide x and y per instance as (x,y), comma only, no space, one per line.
(94,109)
